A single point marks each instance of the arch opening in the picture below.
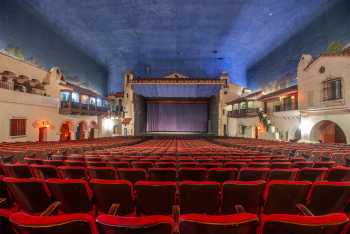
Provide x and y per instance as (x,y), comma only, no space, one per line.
(327,131)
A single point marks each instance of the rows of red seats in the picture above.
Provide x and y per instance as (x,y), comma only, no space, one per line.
(195,199)
(225,183)
(244,223)
(143,172)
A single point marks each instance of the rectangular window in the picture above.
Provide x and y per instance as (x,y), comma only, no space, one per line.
(332,89)
(18,127)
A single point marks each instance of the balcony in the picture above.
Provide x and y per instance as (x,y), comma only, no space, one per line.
(75,108)
(241,113)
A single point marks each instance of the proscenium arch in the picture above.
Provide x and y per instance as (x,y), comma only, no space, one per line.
(327,131)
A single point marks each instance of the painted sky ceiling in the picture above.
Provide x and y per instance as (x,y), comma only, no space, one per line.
(193,37)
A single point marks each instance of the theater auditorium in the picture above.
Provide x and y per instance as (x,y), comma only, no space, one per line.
(174,117)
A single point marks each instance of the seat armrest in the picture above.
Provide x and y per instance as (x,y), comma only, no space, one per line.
(113,210)
(239,209)
(304,210)
(51,209)
(2,200)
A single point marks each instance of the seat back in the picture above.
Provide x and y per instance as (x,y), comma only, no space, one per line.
(67,224)
(328,164)
(5,193)
(194,174)
(222,174)
(74,194)
(248,194)
(5,225)
(213,224)
(327,197)
(281,197)
(155,224)
(74,163)
(338,174)
(142,164)
(199,197)
(237,165)
(109,192)
(72,172)
(283,223)
(132,174)
(251,174)
(55,163)
(155,197)
(17,170)
(44,171)
(312,174)
(283,174)
(32,195)
(119,164)
(162,174)
(281,165)
(103,173)
(169,164)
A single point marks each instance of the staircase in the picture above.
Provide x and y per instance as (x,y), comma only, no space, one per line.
(271,130)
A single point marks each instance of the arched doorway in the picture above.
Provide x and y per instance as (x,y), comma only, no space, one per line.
(65,131)
(327,132)
(81,129)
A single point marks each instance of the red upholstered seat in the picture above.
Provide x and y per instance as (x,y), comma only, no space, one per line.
(328,197)
(199,197)
(312,174)
(283,174)
(103,173)
(44,171)
(281,197)
(5,225)
(222,174)
(56,163)
(187,164)
(212,224)
(7,200)
(132,174)
(283,223)
(155,197)
(302,164)
(142,164)
(251,174)
(259,164)
(75,195)
(74,163)
(95,164)
(109,192)
(33,161)
(237,165)
(72,172)
(153,224)
(247,194)
(328,164)
(30,194)
(162,174)
(209,165)
(194,174)
(119,164)
(166,164)
(17,170)
(338,174)
(281,165)
(67,224)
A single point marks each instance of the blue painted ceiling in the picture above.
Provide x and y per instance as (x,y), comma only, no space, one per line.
(194,37)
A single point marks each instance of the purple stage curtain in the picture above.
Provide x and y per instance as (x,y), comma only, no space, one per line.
(177,117)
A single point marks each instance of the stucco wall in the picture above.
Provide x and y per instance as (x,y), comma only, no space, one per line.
(18,28)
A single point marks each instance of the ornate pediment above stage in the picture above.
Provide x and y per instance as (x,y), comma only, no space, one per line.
(177,85)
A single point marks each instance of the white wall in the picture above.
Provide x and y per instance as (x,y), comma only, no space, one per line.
(313,108)
(233,126)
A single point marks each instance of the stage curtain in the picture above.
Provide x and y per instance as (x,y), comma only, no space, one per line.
(177,117)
